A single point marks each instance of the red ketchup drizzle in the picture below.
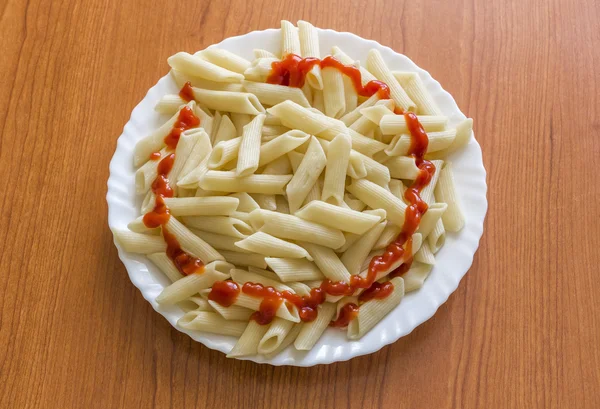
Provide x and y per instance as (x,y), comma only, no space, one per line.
(376,291)
(347,313)
(186,120)
(159,215)
(224,292)
(292,71)
(155,156)
(187,93)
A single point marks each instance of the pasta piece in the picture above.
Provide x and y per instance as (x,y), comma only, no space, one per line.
(224,152)
(218,241)
(139,243)
(390,232)
(247,202)
(201,206)
(354,203)
(226,130)
(413,85)
(240,121)
(377,197)
(274,336)
(396,124)
(247,344)
(350,94)
(333,92)
(281,145)
(373,311)
(309,47)
(338,217)
(354,256)
(211,322)
(427,191)
(206,119)
(377,66)
(270,132)
(169,104)
(181,78)
(145,175)
(228,181)
(286,309)
(290,227)
(365,145)
(312,331)
(327,261)
(267,245)
(338,156)
(201,150)
(400,144)
(156,140)
(397,188)
(355,114)
(351,238)
(463,135)
(260,69)
(445,191)
(279,166)
(195,66)
(265,201)
(318,101)
(437,237)
(288,269)
(225,59)
(164,263)
(191,180)
(356,163)
(315,191)
(287,341)
(366,76)
(249,152)
(138,226)
(191,243)
(310,168)
(233,312)
(431,217)
(242,277)
(424,255)
(295,116)
(238,102)
(290,41)
(224,225)
(272,94)
(240,258)
(402,167)
(148,202)
(415,277)
(193,283)
(195,303)
(375,171)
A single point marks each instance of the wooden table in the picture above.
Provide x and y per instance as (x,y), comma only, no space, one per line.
(521,331)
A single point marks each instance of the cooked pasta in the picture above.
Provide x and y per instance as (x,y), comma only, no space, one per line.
(289,193)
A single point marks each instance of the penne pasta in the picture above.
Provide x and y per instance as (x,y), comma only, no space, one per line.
(273,338)
(415,89)
(290,40)
(338,156)
(247,344)
(306,175)
(270,246)
(376,65)
(312,331)
(271,94)
(290,227)
(445,191)
(139,243)
(164,263)
(193,65)
(249,152)
(238,102)
(228,181)
(327,261)
(202,206)
(244,259)
(376,197)
(338,217)
(211,322)
(225,59)
(396,124)
(224,225)
(297,269)
(354,256)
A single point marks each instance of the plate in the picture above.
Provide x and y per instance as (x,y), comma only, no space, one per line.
(453,260)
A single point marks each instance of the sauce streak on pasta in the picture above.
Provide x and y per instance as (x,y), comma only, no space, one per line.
(347,313)
(224,293)
(292,71)
(186,120)
(377,291)
(187,93)
(155,156)
(161,187)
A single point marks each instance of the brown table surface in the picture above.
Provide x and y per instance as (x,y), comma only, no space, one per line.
(521,331)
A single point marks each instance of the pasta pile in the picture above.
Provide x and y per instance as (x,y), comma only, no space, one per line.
(291,193)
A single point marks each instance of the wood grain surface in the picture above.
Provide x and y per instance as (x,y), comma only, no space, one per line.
(521,331)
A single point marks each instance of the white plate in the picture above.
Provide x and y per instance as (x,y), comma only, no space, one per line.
(453,260)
